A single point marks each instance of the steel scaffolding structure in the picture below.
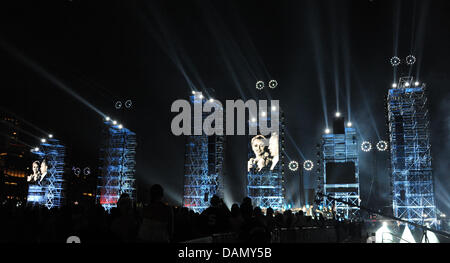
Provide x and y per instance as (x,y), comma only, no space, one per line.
(117,171)
(203,168)
(340,148)
(266,187)
(411,172)
(50,191)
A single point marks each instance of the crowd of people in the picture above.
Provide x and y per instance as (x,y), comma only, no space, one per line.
(154,222)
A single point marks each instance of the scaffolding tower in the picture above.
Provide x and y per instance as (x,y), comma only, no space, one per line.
(117,171)
(340,148)
(50,191)
(411,172)
(266,187)
(204,166)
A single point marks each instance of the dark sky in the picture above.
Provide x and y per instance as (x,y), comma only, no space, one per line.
(155,52)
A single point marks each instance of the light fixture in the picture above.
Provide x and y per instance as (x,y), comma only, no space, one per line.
(407,84)
(263,114)
(114,122)
(382,146)
(308,165)
(253,119)
(36,149)
(43,140)
(395,61)
(260,85)
(349,124)
(327,131)
(193,92)
(274,108)
(417,83)
(394,85)
(366,146)
(338,114)
(273,84)
(293,166)
(107,118)
(120,126)
(50,136)
(211,100)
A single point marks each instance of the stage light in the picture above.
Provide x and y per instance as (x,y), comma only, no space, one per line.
(338,114)
(394,85)
(407,84)
(382,146)
(263,114)
(293,166)
(118,105)
(308,165)
(274,108)
(366,146)
(395,61)
(43,140)
(327,131)
(349,124)
(120,126)
(87,171)
(50,136)
(253,119)
(260,85)
(193,92)
(417,83)
(410,60)
(128,104)
(107,119)
(273,84)
(114,122)
(36,149)
(211,100)
(201,96)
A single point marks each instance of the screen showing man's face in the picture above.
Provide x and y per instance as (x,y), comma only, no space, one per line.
(44,168)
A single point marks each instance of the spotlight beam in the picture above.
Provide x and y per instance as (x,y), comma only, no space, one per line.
(47,75)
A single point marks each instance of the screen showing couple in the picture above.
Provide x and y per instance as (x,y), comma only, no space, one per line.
(265,154)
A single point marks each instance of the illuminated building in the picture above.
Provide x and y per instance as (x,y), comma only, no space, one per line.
(340,169)
(117,171)
(203,167)
(266,187)
(14,162)
(411,172)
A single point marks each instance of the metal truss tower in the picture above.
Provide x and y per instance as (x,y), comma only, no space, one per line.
(117,166)
(339,154)
(203,168)
(411,172)
(51,193)
(266,187)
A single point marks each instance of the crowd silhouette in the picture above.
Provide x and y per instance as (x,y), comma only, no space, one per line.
(158,222)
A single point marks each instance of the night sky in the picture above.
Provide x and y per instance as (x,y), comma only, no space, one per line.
(155,52)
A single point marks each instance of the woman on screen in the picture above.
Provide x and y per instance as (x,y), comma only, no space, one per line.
(36,173)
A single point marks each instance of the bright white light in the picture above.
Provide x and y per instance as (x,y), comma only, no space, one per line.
(383,234)
(417,83)
(50,136)
(107,119)
(120,126)
(193,92)
(211,100)
(394,85)
(338,114)
(327,131)
(432,238)
(114,122)
(395,61)
(274,108)
(407,236)
(293,166)
(263,114)
(308,165)
(43,140)
(36,149)
(349,124)
(253,119)
(201,96)
(366,146)
(382,146)
(410,60)
(407,84)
